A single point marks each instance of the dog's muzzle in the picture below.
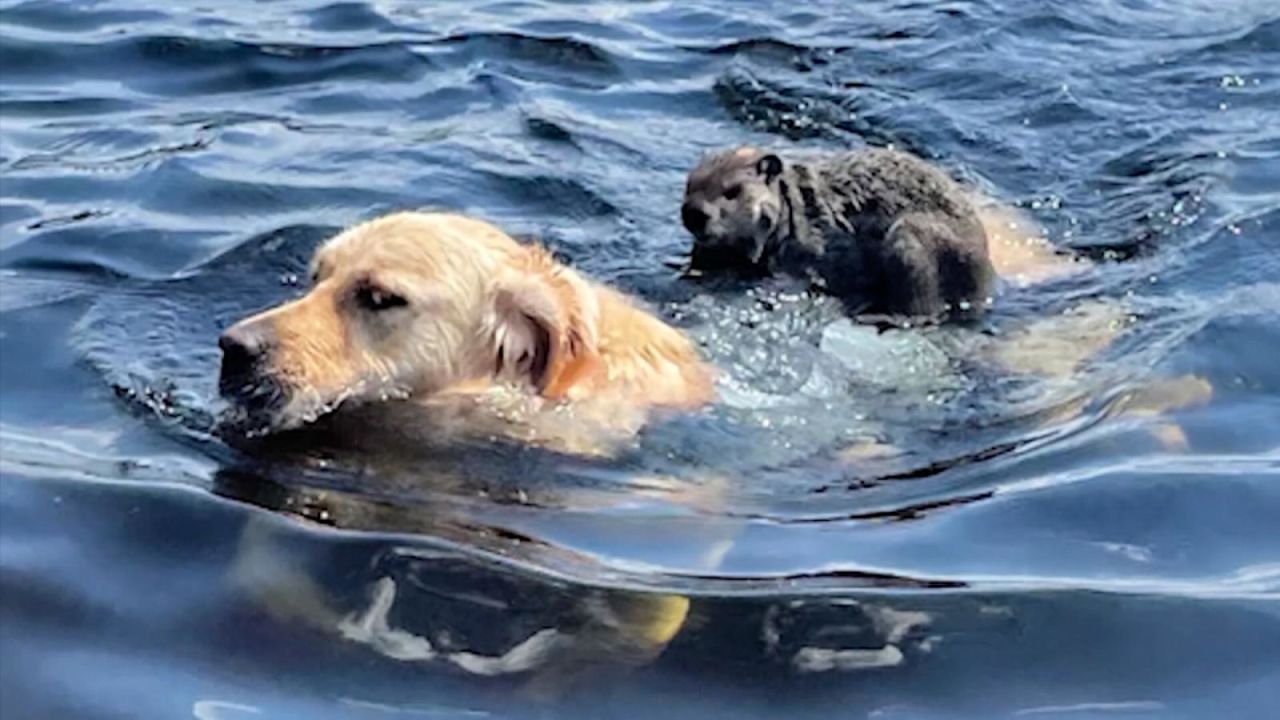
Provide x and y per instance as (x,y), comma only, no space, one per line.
(245,378)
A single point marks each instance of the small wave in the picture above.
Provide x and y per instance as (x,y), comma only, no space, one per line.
(55,17)
(1260,39)
(773,51)
(181,65)
(346,17)
(67,107)
(77,162)
(803,113)
(565,55)
(563,196)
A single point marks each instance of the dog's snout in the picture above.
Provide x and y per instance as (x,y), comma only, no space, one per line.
(244,347)
(246,377)
(695,220)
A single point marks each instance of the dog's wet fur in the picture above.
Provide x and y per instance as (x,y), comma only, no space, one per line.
(487,336)
(883,230)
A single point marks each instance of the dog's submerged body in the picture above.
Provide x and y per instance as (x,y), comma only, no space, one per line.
(486,335)
(883,230)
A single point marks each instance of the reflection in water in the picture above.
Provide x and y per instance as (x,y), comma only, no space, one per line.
(854,635)
(1021,253)
(587,629)
(412,608)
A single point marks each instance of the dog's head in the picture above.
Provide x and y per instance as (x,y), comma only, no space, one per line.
(409,305)
(732,206)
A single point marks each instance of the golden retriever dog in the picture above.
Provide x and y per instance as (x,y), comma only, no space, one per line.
(488,336)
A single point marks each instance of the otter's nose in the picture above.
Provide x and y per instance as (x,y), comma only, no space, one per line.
(244,346)
(695,220)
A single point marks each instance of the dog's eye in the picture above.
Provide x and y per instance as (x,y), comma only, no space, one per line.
(733,192)
(375,299)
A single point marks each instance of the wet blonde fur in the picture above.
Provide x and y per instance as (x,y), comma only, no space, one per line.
(492,333)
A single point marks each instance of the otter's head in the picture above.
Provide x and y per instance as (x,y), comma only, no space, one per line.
(406,305)
(732,206)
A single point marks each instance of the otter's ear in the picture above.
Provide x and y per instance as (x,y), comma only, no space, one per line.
(539,325)
(769,167)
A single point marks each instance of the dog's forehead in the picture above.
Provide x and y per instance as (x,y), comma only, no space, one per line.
(394,238)
(414,244)
(359,250)
(364,240)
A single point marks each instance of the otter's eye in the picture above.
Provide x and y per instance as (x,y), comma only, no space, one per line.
(375,299)
(733,192)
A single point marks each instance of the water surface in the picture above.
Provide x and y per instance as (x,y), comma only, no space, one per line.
(869,524)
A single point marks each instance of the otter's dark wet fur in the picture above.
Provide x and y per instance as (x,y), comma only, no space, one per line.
(883,230)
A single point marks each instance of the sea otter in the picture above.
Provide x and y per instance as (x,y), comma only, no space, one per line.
(883,230)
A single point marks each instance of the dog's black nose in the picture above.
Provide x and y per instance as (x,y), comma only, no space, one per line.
(695,220)
(244,346)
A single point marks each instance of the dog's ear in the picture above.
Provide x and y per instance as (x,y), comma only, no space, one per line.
(769,167)
(543,323)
